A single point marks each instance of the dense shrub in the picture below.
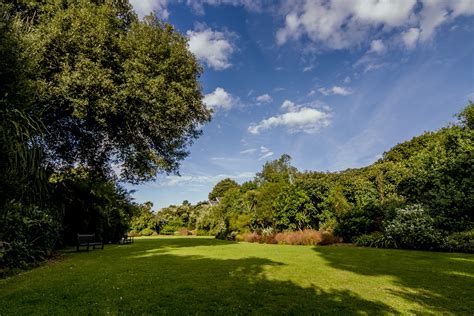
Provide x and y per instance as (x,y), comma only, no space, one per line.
(460,242)
(29,233)
(354,224)
(147,232)
(168,229)
(375,239)
(413,228)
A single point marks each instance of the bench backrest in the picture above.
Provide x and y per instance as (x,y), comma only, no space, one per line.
(81,238)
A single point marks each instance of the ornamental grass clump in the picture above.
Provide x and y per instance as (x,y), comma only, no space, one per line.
(300,237)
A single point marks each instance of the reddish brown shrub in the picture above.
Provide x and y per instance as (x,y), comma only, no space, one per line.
(183,232)
(300,237)
(328,238)
(248,237)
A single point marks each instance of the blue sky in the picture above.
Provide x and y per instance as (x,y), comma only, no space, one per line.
(332,83)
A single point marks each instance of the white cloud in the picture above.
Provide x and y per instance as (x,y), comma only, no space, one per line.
(435,13)
(145,7)
(211,47)
(288,105)
(311,93)
(308,68)
(377,46)
(410,37)
(297,119)
(203,179)
(339,24)
(248,151)
(335,90)
(264,98)
(347,79)
(219,99)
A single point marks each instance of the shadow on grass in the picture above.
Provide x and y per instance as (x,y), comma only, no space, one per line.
(156,243)
(194,284)
(438,281)
(124,280)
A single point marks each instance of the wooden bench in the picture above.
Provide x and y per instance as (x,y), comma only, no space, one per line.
(126,239)
(87,240)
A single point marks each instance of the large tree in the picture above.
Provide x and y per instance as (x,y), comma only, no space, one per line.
(112,90)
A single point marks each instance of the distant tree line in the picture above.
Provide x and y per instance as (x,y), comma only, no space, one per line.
(419,195)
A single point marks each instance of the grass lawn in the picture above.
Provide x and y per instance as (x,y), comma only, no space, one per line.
(179,275)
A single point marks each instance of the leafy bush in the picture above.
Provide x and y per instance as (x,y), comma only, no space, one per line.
(353,224)
(30,234)
(460,242)
(147,232)
(375,240)
(413,228)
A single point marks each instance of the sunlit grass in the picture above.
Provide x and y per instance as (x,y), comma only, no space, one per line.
(192,275)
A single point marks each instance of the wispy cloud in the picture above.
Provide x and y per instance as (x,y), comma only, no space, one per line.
(264,98)
(308,68)
(248,151)
(265,153)
(203,179)
(337,90)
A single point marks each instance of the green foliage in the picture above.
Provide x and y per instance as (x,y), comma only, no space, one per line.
(143,218)
(354,224)
(466,116)
(30,232)
(374,240)
(221,188)
(413,228)
(294,210)
(146,232)
(277,171)
(113,89)
(91,204)
(460,242)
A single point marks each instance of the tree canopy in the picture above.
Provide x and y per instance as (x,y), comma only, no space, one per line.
(113,90)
